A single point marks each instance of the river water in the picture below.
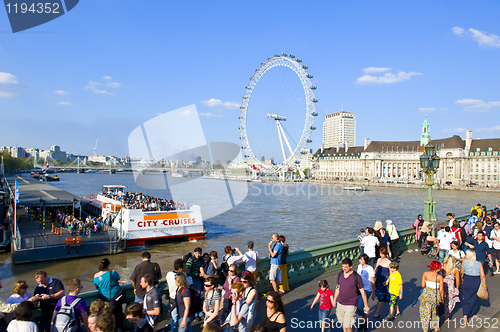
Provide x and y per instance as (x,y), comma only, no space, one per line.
(307,214)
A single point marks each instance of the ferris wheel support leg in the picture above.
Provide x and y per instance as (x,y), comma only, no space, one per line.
(281,140)
(286,139)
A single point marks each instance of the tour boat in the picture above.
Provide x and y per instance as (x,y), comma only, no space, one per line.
(138,226)
(356,188)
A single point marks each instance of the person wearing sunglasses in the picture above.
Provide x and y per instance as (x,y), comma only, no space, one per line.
(274,319)
(20,293)
(211,306)
(232,278)
(250,296)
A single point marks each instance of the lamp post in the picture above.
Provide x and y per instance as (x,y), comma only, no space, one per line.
(429,162)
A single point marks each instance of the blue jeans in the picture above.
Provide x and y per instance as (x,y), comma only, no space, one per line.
(442,255)
(175,321)
(187,328)
(361,304)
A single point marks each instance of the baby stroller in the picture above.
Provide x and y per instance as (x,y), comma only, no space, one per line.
(427,244)
(433,252)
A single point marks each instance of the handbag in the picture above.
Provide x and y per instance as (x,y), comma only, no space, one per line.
(482,292)
(439,304)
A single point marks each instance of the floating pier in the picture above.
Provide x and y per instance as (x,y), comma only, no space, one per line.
(37,235)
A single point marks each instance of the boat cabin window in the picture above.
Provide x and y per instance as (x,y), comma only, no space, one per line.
(113,189)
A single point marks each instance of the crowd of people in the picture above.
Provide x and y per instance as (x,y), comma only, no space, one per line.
(138,200)
(216,294)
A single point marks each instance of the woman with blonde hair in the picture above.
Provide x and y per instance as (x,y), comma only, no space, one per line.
(183,303)
(472,274)
(451,284)
(20,293)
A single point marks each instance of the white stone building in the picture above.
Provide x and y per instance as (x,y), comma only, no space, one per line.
(339,130)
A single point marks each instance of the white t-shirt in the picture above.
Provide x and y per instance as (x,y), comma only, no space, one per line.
(496,244)
(459,254)
(250,259)
(172,288)
(22,326)
(445,240)
(16,298)
(369,243)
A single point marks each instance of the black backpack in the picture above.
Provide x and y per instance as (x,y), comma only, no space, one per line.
(355,274)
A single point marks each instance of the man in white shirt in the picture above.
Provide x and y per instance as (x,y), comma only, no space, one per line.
(495,249)
(444,241)
(250,258)
(369,243)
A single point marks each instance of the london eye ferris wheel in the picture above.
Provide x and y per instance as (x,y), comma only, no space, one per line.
(277,114)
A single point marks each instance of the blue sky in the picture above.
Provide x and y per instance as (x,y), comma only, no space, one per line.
(107,66)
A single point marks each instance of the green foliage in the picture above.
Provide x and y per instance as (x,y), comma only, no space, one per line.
(12,164)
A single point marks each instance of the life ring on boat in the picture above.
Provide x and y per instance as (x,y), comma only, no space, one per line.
(91,196)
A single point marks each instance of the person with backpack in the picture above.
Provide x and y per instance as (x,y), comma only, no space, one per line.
(183,303)
(349,284)
(179,267)
(152,300)
(70,309)
(143,268)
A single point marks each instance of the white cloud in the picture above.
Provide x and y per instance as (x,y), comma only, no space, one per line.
(188,113)
(484,129)
(210,115)
(106,77)
(496,128)
(64,103)
(477,105)
(458,31)
(371,70)
(482,37)
(6,94)
(387,78)
(426,109)
(93,86)
(114,84)
(218,103)
(61,92)
(6,78)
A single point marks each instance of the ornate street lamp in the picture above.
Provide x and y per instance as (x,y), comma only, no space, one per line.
(429,162)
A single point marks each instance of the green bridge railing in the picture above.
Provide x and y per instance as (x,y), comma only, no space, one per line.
(302,264)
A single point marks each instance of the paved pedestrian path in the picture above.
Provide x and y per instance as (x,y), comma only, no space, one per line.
(412,265)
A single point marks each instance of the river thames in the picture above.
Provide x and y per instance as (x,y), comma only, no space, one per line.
(307,214)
